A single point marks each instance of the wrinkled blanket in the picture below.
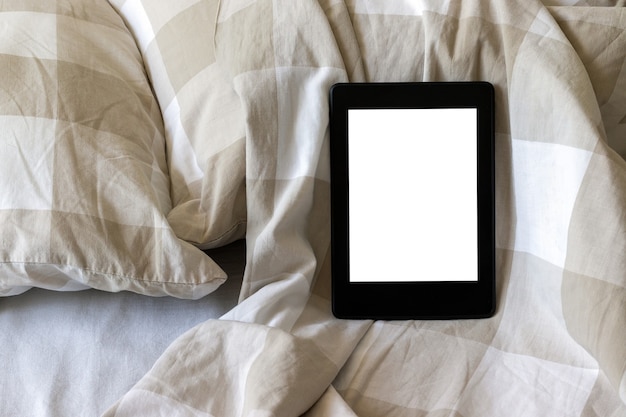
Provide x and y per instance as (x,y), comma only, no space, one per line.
(556,344)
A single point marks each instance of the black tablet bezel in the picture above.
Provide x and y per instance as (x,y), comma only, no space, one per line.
(412,300)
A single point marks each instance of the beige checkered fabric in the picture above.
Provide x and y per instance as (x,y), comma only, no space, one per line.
(84,185)
(204,123)
(556,344)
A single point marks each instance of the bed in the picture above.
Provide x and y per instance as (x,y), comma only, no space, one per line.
(164,209)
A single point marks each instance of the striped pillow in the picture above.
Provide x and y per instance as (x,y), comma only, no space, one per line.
(204,121)
(84,187)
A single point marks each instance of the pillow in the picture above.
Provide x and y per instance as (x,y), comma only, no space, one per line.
(84,187)
(203,117)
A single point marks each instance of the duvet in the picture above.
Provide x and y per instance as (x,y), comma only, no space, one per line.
(242,92)
(555,346)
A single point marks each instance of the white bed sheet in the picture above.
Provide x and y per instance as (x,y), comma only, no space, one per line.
(56,347)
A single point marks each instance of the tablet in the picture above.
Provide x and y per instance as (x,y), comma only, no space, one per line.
(412,200)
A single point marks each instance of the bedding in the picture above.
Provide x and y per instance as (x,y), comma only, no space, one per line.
(204,127)
(556,343)
(75,353)
(85,185)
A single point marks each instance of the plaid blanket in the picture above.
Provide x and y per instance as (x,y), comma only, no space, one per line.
(556,345)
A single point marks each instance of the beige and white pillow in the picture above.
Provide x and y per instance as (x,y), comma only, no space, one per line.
(203,118)
(84,186)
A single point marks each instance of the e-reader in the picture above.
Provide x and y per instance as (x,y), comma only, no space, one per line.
(412,200)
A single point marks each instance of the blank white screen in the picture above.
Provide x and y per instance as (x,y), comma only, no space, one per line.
(413,194)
